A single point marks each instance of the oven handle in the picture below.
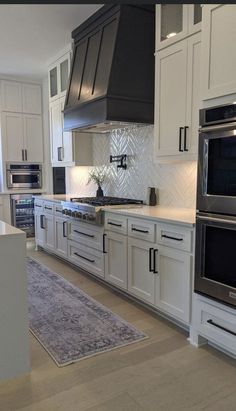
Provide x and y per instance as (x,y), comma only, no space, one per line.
(217,220)
(225,126)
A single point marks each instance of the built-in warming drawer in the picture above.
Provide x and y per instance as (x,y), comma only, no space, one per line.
(87,258)
(218,325)
(86,234)
(142,229)
(116,223)
(174,236)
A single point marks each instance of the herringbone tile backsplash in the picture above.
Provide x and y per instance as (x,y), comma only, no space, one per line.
(176,182)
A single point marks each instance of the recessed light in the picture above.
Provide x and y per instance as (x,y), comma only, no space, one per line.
(171,35)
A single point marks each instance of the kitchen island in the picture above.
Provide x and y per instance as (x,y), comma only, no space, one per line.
(14,340)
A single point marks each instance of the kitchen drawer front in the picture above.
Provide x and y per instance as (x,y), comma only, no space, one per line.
(48,207)
(208,320)
(142,229)
(116,223)
(38,206)
(58,210)
(174,236)
(87,258)
(86,234)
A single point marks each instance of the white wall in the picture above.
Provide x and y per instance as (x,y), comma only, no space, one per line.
(176,182)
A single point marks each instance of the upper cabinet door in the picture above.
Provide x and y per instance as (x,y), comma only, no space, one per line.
(170,98)
(58,77)
(33,138)
(31,96)
(11,93)
(67,139)
(171,24)
(218,50)
(56,131)
(12,137)
(194,18)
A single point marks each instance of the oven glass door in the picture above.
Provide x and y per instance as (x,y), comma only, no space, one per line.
(215,265)
(25,180)
(217,172)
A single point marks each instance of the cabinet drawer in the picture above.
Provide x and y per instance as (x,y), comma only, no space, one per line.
(58,210)
(87,258)
(116,223)
(174,236)
(216,324)
(142,229)
(38,206)
(48,207)
(86,234)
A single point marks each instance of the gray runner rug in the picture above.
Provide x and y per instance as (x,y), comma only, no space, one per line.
(68,323)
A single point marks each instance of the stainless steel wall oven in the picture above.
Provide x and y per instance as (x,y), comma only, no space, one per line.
(24,176)
(215,260)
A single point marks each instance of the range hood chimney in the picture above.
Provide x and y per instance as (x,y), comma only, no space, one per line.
(111,82)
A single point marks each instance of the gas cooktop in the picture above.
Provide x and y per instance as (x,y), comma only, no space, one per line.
(89,210)
(103,201)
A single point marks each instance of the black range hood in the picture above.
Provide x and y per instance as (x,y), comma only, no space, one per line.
(111,83)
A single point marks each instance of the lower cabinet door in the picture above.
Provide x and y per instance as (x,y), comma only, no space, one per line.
(39,230)
(173,282)
(61,230)
(87,258)
(49,232)
(116,259)
(140,278)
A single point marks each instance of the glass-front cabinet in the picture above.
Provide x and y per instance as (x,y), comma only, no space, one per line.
(176,21)
(58,77)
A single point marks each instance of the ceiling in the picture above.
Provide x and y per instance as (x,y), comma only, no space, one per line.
(32,34)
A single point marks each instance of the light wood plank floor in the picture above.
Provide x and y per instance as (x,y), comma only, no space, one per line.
(161,373)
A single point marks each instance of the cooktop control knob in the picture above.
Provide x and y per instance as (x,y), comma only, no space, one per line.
(73,214)
(85,216)
(91,217)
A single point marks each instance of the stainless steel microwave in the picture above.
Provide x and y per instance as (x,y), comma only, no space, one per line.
(24,176)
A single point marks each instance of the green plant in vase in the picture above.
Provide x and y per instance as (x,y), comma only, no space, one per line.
(98,177)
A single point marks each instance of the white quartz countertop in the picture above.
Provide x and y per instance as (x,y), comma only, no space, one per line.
(6,229)
(169,214)
(56,197)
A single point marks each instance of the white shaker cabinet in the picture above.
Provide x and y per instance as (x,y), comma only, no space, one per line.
(67,148)
(177,100)
(48,226)
(20,97)
(22,137)
(173,282)
(218,50)
(141,281)
(61,232)
(116,259)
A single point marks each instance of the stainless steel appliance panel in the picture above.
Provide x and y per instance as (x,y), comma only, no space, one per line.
(27,176)
(215,268)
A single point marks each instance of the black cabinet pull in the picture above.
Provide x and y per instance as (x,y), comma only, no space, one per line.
(140,231)
(64,230)
(116,225)
(47,208)
(104,244)
(58,211)
(185,138)
(84,258)
(155,260)
(42,221)
(172,238)
(87,235)
(23,154)
(221,327)
(26,156)
(151,270)
(37,205)
(180,139)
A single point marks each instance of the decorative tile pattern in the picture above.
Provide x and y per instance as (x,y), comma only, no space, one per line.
(176,182)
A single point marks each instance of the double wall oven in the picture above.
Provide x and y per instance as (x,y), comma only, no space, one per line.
(215,264)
